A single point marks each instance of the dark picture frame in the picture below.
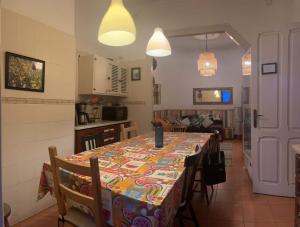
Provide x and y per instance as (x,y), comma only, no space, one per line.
(24,73)
(269,68)
(223,90)
(135,73)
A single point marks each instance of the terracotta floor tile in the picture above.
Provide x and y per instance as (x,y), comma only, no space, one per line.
(255,212)
(285,224)
(227,212)
(225,195)
(277,200)
(225,224)
(283,212)
(260,224)
(255,198)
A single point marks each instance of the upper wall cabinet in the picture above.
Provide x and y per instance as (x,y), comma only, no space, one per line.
(100,76)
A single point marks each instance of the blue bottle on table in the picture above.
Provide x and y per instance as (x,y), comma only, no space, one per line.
(159,137)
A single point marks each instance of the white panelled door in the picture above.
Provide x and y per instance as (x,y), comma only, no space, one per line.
(276,112)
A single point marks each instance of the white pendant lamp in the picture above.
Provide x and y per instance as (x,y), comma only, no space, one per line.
(158,45)
(117,27)
(207,63)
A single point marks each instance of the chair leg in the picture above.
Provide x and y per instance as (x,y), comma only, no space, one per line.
(181,224)
(193,216)
(206,193)
(60,221)
(6,223)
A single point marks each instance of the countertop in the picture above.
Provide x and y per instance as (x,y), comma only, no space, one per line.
(296,147)
(99,124)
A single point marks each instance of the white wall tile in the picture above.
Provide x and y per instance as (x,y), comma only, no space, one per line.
(29,129)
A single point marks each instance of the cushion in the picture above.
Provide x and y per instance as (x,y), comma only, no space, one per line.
(216,117)
(207,122)
(196,122)
(186,121)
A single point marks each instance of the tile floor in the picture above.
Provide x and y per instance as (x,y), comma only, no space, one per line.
(232,204)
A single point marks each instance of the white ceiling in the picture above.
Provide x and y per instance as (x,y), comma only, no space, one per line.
(245,16)
(189,43)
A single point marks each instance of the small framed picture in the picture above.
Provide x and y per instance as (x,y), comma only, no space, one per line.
(136,73)
(268,68)
(24,73)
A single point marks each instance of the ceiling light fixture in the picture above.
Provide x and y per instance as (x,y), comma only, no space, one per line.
(246,64)
(207,62)
(117,27)
(158,45)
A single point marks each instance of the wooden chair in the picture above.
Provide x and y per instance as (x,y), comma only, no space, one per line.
(63,193)
(166,126)
(129,132)
(6,214)
(178,128)
(213,145)
(190,163)
(90,142)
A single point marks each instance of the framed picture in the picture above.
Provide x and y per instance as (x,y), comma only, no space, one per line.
(213,96)
(269,68)
(136,73)
(24,73)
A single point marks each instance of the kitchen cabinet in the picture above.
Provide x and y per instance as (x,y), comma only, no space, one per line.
(104,135)
(100,76)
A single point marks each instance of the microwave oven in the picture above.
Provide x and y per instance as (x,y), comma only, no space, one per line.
(114,113)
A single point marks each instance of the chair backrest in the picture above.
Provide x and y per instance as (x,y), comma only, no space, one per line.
(90,142)
(62,193)
(190,163)
(214,143)
(129,132)
(178,128)
(167,127)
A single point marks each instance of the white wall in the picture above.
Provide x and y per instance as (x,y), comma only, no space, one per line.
(296,10)
(140,96)
(32,121)
(57,14)
(178,75)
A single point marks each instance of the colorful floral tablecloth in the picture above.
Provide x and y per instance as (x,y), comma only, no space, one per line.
(141,185)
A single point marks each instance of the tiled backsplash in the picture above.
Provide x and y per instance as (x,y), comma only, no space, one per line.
(103,101)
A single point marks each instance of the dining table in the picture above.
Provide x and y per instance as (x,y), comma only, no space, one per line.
(141,185)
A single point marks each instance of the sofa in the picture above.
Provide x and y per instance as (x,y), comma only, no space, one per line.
(194,119)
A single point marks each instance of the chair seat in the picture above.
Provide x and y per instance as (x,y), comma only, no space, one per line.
(79,218)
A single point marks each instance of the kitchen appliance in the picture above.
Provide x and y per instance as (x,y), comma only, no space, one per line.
(81,107)
(114,113)
(82,115)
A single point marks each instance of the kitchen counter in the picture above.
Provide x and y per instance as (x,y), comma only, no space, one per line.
(99,124)
(296,148)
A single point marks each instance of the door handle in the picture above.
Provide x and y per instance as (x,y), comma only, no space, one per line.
(255,117)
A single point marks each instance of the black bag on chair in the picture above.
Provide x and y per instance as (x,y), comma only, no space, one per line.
(214,168)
